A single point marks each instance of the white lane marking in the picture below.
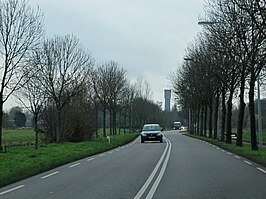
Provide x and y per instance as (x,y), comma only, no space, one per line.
(123,147)
(247,162)
(262,170)
(102,155)
(158,180)
(110,152)
(223,150)
(217,148)
(90,159)
(237,157)
(229,153)
(13,189)
(146,184)
(49,175)
(74,165)
(117,149)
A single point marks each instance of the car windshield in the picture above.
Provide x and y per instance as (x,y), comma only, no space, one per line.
(151,128)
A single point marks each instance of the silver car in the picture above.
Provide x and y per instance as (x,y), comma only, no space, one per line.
(151,132)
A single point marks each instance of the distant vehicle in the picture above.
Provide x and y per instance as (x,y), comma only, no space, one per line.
(151,132)
(177,125)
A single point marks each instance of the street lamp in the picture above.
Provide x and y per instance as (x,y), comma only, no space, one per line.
(187,59)
(207,22)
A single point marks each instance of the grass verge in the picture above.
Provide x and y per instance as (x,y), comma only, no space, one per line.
(257,156)
(23,162)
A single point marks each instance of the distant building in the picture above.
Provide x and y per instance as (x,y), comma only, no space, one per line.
(167,98)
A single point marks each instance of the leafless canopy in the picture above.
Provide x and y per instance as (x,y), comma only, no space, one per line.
(21,31)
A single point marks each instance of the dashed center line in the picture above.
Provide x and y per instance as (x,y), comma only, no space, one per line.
(237,157)
(13,189)
(49,175)
(102,155)
(223,150)
(229,153)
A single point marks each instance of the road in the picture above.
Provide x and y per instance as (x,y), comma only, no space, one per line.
(181,167)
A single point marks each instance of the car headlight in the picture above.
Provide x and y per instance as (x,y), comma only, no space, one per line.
(143,134)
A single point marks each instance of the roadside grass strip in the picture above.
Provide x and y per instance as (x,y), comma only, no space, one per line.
(23,162)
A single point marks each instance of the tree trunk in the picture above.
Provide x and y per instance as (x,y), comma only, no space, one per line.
(110,123)
(36,130)
(104,122)
(210,119)
(205,119)
(223,115)
(58,129)
(253,135)
(198,120)
(216,118)
(125,121)
(114,123)
(229,119)
(96,121)
(1,122)
(241,113)
(201,120)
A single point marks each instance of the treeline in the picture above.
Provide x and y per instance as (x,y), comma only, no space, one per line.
(223,64)
(59,82)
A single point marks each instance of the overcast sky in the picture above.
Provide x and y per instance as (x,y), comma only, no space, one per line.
(147,37)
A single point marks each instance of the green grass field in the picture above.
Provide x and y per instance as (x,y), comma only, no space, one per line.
(246,136)
(18,137)
(22,162)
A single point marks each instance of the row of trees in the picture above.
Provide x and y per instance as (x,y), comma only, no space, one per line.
(57,81)
(225,61)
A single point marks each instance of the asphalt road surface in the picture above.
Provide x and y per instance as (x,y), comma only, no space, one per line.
(181,167)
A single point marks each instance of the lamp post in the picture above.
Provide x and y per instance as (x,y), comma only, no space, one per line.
(187,59)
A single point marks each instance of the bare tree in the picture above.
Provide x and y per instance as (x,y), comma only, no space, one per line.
(33,97)
(252,39)
(109,83)
(143,88)
(117,85)
(100,86)
(129,95)
(63,69)
(21,30)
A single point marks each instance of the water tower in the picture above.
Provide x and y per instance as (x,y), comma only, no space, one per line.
(167,99)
